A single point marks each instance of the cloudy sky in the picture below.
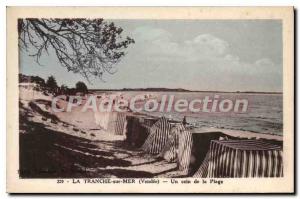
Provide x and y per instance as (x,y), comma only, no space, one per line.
(224,55)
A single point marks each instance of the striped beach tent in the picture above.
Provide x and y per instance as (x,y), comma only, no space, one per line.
(120,124)
(148,121)
(169,152)
(179,147)
(157,139)
(203,170)
(102,119)
(137,130)
(242,159)
(197,146)
(117,123)
(185,144)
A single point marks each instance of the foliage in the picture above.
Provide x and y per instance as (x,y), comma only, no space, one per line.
(52,84)
(32,79)
(90,47)
(64,89)
(81,87)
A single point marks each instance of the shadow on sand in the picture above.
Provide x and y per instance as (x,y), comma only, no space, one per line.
(45,153)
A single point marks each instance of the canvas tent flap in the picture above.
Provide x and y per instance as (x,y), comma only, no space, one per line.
(170,150)
(185,150)
(158,136)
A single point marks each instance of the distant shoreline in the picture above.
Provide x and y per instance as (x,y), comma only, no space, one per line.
(36,79)
(181,90)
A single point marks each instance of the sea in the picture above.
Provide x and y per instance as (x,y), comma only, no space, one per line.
(264,113)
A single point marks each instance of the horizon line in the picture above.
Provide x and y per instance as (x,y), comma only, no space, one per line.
(162,89)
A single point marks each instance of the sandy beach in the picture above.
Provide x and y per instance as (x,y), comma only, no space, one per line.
(75,141)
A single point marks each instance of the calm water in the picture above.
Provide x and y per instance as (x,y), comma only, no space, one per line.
(264,113)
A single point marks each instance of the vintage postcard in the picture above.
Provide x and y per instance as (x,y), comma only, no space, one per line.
(150,100)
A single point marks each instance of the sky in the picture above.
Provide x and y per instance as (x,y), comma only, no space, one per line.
(223,55)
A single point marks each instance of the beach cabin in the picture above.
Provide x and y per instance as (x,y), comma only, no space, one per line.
(27,90)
